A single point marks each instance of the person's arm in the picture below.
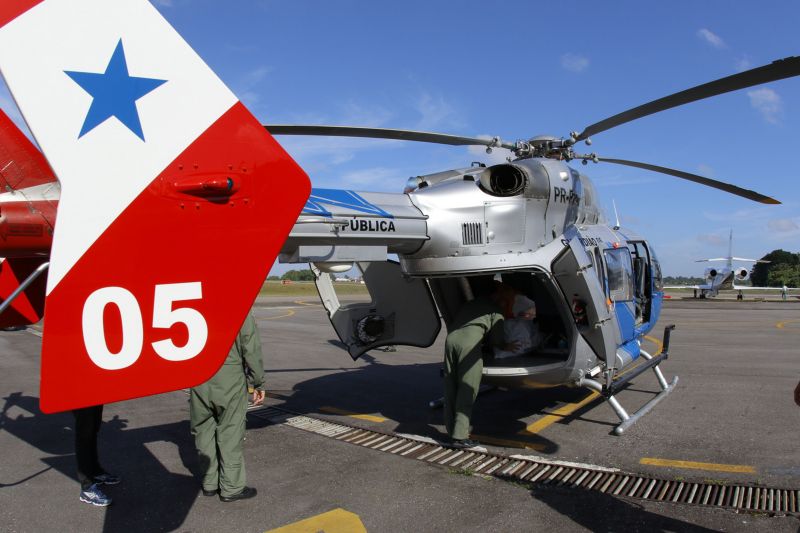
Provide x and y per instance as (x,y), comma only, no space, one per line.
(251,351)
(497,335)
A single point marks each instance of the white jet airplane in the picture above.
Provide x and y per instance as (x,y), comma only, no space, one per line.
(725,277)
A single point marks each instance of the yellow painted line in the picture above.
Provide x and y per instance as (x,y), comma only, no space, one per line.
(568,409)
(780,325)
(659,348)
(301,302)
(658,343)
(559,414)
(290,313)
(336,521)
(715,467)
(337,411)
(507,443)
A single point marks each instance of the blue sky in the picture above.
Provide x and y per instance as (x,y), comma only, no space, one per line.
(519,69)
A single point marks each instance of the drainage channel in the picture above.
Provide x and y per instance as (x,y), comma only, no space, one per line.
(547,472)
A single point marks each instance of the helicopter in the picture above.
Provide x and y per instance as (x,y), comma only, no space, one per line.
(533,222)
(725,277)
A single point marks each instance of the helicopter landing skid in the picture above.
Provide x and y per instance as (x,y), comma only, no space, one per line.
(608,390)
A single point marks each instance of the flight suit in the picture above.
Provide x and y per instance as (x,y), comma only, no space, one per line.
(217,410)
(478,320)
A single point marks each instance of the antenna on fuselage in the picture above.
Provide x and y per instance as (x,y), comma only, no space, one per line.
(616,215)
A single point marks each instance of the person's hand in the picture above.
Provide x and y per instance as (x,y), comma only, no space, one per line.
(797,394)
(512,347)
(258,396)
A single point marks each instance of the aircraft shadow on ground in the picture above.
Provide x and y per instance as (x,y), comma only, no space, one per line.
(401,394)
(150,497)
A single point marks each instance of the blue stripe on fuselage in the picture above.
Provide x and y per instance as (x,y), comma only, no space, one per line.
(340,198)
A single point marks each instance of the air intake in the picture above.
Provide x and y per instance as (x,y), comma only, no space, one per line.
(471,233)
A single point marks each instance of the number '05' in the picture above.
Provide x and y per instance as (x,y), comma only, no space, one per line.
(164,316)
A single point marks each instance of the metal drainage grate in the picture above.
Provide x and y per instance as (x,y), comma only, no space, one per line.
(546,472)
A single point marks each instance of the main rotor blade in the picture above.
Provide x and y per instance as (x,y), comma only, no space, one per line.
(383,133)
(727,187)
(777,70)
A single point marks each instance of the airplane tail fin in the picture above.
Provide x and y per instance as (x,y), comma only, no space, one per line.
(174,199)
(22,165)
(730,250)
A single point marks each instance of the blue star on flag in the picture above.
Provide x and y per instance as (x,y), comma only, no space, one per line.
(114,93)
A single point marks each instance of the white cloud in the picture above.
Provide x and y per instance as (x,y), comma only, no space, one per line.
(744,63)
(371,177)
(711,38)
(436,113)
(318,154)
(574,62)
(783,225)
(244,87)
(767,102)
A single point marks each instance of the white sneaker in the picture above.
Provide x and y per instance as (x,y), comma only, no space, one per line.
(95,496)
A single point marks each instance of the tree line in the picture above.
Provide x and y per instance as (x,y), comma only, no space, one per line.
(783,269)
(294,275)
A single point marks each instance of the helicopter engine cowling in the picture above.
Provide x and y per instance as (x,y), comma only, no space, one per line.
(504,180)
(742,274)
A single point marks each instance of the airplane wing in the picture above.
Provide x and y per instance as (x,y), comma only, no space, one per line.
(698,287)
(751,288)
(174,203)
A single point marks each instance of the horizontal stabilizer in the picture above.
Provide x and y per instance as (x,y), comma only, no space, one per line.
(749,260)
(28,307)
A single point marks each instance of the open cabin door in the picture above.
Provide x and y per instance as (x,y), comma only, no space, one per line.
(579,281)
(401,311)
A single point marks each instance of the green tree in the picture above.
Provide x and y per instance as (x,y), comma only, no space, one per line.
(784,274)
(760,275)
(273,278)
(299,275)
(682,280)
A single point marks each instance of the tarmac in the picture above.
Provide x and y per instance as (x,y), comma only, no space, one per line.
(730,420)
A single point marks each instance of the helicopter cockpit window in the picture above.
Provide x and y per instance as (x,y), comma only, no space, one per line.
(597,262)
(620,274)
(658,279)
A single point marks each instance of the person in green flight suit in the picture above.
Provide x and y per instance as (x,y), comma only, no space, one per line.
(479,321)
(217,410)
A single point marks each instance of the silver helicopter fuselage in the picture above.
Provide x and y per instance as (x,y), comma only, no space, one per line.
(452,229)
